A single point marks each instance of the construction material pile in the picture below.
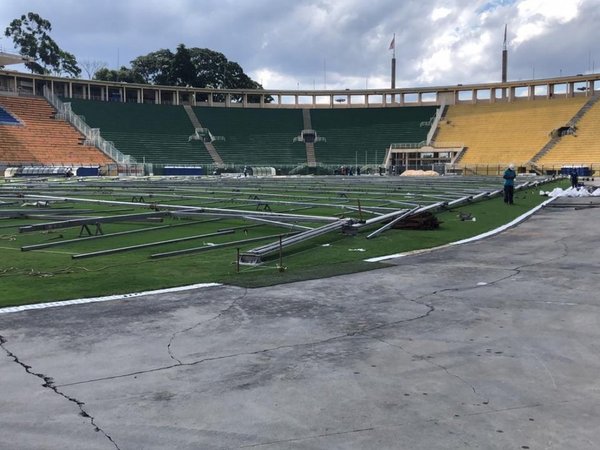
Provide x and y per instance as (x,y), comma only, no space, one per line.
(419,173)
(421,221)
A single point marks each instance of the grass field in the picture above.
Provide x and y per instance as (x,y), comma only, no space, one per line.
(59,272)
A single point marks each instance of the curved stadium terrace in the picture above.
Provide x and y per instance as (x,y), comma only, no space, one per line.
(487,344)
(540,125)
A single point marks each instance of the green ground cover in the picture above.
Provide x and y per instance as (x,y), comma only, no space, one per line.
(52,274)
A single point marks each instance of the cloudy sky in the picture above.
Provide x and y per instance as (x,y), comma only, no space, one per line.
(289,44)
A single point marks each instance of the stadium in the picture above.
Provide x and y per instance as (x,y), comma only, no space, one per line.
(235,268)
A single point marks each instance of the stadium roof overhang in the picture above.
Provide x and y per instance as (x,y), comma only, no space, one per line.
(11,58)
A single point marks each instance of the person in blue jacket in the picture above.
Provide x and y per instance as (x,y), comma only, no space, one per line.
(509,184)
(574,179)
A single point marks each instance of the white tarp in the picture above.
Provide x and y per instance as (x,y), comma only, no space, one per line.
(572,192)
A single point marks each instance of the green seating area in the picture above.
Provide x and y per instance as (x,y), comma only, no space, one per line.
(153,133)
(352,132)
(255,136)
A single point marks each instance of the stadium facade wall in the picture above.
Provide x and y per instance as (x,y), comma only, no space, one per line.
(567,86)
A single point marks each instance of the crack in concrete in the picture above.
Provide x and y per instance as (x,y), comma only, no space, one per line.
(393,426)
(257,352)
(517,270)
(439,366)
(304,438)
(220,314)
(49,384)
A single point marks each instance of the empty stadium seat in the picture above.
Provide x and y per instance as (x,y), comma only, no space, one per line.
(40,138)
(505,132)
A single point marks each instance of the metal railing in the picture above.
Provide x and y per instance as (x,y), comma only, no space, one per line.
(92,135)
(436,144)
(408,145)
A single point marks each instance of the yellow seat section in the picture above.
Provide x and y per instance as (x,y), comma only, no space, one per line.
(505,132)
(581,148)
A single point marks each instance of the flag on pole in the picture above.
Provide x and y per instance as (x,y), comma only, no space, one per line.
(393,43)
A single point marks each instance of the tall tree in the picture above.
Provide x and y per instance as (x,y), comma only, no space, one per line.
(196,67)
(30,35)
(183,72)
(92,66)
(123,74)
(155,67)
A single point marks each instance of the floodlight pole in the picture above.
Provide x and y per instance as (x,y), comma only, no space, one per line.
(394,62)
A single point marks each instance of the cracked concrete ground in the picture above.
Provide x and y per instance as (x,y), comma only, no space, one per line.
(490,345)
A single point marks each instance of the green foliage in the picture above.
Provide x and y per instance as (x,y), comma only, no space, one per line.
(183,72)
(195,67)
(123,74)
(155,67)
(30,34)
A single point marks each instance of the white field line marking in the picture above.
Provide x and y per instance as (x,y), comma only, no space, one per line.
(80,301)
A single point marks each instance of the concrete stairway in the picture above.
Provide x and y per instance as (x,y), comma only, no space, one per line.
(210,148)
(311,159)
(571,123)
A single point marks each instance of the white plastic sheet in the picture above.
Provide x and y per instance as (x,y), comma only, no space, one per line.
(571,192)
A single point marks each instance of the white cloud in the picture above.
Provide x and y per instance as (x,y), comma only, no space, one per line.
(537,17)
(286,43)
(440,13)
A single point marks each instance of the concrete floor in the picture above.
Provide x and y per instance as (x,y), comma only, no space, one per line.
(489,345)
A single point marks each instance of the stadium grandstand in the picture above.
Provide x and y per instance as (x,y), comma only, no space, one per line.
(541,126)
